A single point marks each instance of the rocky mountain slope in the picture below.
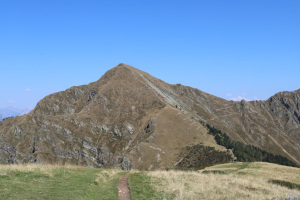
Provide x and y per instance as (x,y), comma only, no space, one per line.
(129,119)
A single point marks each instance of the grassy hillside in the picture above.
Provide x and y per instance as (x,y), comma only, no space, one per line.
(230,181)
(225,181)
(54,182)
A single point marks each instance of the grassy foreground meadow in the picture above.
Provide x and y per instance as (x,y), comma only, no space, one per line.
(231,181)
(57,182)
(225,181)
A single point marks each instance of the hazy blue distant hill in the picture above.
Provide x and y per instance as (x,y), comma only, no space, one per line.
(12,112)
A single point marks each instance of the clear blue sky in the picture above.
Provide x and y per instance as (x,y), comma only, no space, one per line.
(231,49)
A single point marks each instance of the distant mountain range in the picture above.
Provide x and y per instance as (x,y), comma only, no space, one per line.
(129,119)
(12,112)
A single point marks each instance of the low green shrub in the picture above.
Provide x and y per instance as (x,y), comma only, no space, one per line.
(245,152)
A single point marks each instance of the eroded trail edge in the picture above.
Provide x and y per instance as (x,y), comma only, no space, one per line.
(123,188)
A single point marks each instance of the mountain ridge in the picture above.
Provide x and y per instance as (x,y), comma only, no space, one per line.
(129,119)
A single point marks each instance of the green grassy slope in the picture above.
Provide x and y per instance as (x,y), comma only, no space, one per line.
(50,182)
(255,180)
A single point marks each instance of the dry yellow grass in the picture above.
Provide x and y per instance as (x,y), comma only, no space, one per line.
(262,170)
(43,168)
(173,132)
(248,183)
(106,176)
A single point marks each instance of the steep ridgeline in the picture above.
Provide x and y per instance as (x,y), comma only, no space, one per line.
(273,125)
(129,119)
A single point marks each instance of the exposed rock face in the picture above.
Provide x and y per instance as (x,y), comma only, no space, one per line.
(129,119)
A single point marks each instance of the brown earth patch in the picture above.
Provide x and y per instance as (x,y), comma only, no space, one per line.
(124,192)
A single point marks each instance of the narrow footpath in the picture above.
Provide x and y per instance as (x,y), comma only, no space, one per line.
(123,187)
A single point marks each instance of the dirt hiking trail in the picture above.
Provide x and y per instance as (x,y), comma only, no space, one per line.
(124,193)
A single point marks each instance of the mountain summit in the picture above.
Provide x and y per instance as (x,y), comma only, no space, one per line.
(129,119)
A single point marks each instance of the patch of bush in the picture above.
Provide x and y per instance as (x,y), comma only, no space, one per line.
(199,156)
(287,184)
(213,172)
(247,153)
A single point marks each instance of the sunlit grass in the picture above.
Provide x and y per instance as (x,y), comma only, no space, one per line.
(225,181)
(239,181)
(57,182)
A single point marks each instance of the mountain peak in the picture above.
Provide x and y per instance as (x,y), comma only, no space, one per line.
(124,66)
(123,74)
(120,70)
(129,118)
